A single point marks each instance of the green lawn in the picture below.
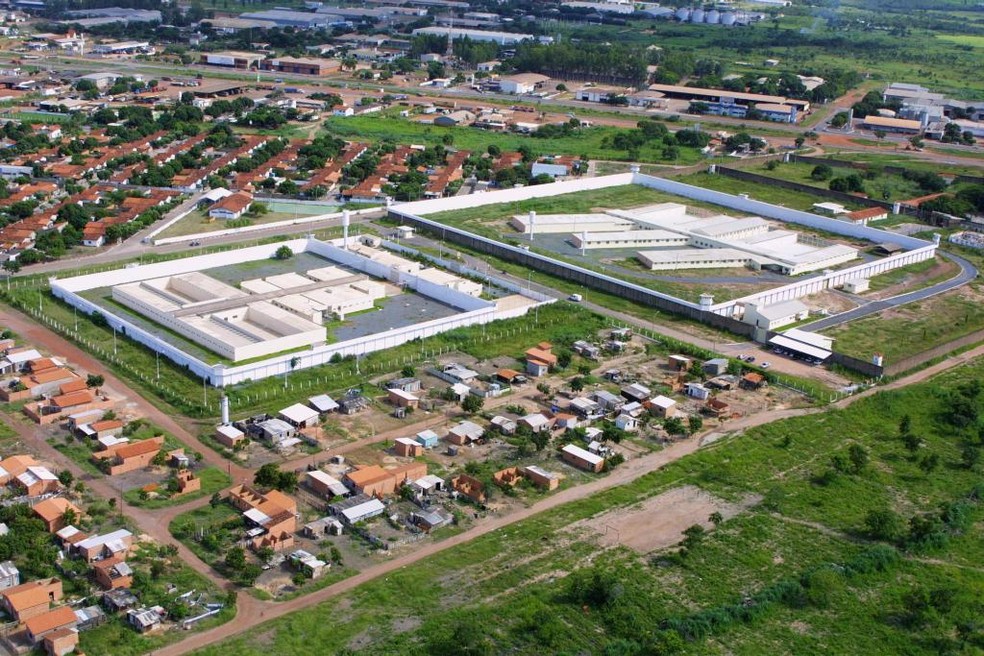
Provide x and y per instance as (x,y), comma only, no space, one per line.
(796,200)
(213,480)
(902,332)
(586,143)
(522,589)
(198,222)
(883,186)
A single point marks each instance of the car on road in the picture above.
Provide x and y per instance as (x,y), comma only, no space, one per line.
(750,358)
(742,357)
(765,365)
(575,298)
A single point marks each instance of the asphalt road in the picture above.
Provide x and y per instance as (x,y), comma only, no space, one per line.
(968,272)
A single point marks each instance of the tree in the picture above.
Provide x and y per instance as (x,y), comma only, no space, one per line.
(905,424)
(970,457)
(858,456)
(543,389)
(283,253)
(695,423)
(884,525)
(472,404)
(912,442)
(674,426)
(235,559)
(215,500)
(577,384)
(94,381)
(716,518)
(66,478)
(799,141)
(880,134)
(160,459)
(821,172)
(929,462)
(693,536)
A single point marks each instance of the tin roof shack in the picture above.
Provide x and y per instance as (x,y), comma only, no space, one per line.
(320,528)
(9,575)
(53,513)
(541,478)
(145,620)
(715,366)
(308,563)
(27,600)
(504,425)
(608,401)
(358,509)
(119,599)
(470,488)
(325,485)
(323,404)
(408,384)
(537,422)
(464,433)
(663,407)
(679,363)
(540,359)
(108,545)
(636,392)
(112,573)
(272,517)
(299,416)
(402,399)
(586,350)
(430,518)
(229,436)
(408,447)
(427,438)
(582,459)
(697,391)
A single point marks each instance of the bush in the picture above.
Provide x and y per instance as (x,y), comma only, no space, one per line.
(821,172)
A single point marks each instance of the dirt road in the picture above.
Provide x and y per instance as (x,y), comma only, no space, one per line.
(252,612)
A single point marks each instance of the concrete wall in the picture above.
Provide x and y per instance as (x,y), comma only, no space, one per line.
(220,375)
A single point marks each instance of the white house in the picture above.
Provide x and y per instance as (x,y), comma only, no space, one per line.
(776,315)
(231,207)
(522,83)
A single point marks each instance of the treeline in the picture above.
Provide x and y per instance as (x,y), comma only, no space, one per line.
(614,64)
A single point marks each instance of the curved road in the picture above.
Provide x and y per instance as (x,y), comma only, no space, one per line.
(968,272)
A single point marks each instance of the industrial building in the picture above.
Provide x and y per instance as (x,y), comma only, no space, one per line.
(302,66)
(232,59)
(502,38)
(683,241)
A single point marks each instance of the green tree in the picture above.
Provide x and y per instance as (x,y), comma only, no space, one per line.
(235,559)
(577,384)
(695,423)
(884,525)
(94,381)
(472,404)
(283,253)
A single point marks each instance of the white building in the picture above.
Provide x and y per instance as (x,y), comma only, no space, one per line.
(776,315)
(522,83)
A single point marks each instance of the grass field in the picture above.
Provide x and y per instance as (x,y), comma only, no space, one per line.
(213,479)
(882,187)
(809,575)
(199,221)
(913,328)
(796,200)
(586,143)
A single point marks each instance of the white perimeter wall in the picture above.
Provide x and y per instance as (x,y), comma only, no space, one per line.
(919,250)
(477,311)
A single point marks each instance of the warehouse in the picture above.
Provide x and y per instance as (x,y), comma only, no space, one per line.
(900,125)
(232,59)
(723,96)
(560,223)
(502,38)
(304,20)
(696,258)
(628,239)
(522,83)
(302,66)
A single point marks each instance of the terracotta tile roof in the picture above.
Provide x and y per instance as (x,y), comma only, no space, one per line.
(140,448)
(63,616)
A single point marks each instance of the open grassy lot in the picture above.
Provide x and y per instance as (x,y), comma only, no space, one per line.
(882,186)
(900,332)
(587,142)
(199,221)
(803,571)
(797,200)
(213,479)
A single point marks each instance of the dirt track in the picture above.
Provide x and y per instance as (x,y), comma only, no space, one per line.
(252,611)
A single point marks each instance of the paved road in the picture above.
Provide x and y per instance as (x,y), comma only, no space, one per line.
(968,272)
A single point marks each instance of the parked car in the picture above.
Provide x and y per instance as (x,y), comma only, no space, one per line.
(765,365)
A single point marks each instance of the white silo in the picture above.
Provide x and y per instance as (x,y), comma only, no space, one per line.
(713,17)
(683,14)
(728,18)
(697,16)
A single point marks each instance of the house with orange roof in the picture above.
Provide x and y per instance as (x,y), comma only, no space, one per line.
(36,481)
(271,517)
(112,573)
(373,480)
(14,466)
(61,406)
(47,623)
(27,600)
(52,512)
(540,359)
(231,207)
(130,456)
(61,642)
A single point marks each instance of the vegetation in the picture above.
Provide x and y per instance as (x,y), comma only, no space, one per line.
(880,559)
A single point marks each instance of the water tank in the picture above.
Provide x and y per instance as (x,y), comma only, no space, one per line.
(713,17)
(683,14)
(728,18)
(697,16)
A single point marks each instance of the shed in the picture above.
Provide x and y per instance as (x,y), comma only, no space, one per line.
(427,438)
(663,406)
(697,391)
(504,425)
(300,415)
(363,511)
(323,403)
(407,447)
(715,366)
(465,433)
(536,422)
(228,435)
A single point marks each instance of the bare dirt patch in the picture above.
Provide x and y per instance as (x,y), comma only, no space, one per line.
(828,300)
(659,522)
